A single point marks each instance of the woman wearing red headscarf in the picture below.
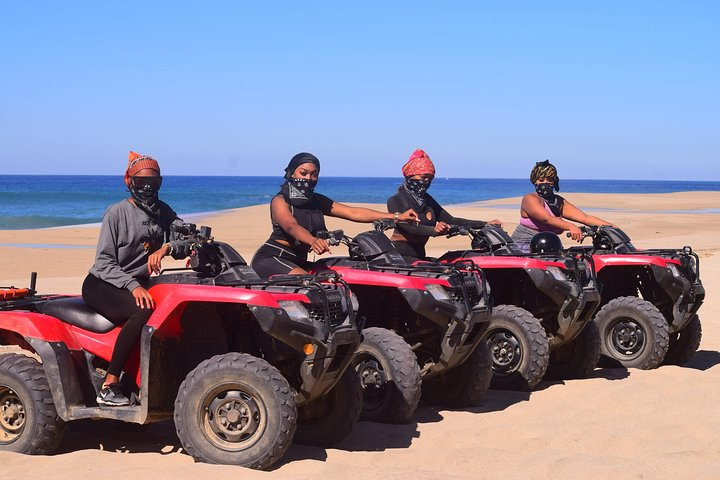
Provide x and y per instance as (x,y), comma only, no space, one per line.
(434,220)
(134,237)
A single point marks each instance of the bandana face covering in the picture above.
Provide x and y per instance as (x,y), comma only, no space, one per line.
(546,191)
(417,189)
(144,191)
(298,191)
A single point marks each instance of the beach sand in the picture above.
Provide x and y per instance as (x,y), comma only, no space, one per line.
(619,423)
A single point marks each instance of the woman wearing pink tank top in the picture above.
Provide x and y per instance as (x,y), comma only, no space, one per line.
(545,211)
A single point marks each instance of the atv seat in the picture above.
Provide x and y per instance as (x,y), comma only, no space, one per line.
(327,263)
(75,312)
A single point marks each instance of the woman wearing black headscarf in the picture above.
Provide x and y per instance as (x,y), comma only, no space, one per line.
(297,214)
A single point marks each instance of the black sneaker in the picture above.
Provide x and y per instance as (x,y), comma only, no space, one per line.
(113,396)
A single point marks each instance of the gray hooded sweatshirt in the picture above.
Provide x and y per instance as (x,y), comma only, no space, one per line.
(128,236)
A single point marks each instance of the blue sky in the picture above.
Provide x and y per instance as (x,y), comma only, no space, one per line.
(612,89)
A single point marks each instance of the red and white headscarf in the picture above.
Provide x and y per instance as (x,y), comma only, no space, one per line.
(137,162)
(418,164)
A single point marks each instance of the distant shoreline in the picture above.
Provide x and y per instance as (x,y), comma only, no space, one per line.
(506,203)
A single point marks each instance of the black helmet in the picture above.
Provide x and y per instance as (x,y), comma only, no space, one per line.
(545,242)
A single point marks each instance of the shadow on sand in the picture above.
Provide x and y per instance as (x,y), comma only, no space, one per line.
(611,373)
(365,437)
(703,360)
(377,437)
(115,436)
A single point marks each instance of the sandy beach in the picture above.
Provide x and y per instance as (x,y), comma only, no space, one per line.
(619,423)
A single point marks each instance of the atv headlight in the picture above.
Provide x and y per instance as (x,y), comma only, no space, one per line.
(438,292)
(295,310)
(557,273)
(674,269)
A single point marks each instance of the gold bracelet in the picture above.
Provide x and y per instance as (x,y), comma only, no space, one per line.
(397,215)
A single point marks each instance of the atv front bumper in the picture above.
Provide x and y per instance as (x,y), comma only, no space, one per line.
(686,297)
(332,348)
(576,306)
(462,328)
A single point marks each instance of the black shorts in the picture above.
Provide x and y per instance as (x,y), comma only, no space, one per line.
(275,259)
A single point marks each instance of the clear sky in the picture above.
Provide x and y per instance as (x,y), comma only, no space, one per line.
(612,89)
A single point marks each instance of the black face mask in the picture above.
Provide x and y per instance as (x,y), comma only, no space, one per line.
(144,191)
(546,191)
(298,191)
(417,187)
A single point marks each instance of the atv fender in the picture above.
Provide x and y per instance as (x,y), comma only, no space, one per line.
(423,303)
(575,307)
(39,326)
(682,294)
(333,349)
(462,336)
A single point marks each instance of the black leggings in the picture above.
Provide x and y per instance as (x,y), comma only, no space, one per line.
(117,305)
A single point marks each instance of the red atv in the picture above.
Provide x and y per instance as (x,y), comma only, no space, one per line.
(650,300)
(238,362)
(546,300)
(436,316)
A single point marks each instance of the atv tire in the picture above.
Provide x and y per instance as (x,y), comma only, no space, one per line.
(633,332)
(29,422)
(519,348)
(326,421)
(390,376)
(463,386)
(235,409)
(684,344)
(577,358)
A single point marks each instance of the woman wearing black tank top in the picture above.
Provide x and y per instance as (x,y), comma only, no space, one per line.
(297,214)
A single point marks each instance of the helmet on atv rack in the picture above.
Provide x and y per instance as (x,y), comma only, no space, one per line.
(545,242)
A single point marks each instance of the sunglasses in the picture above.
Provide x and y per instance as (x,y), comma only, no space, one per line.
(147,182)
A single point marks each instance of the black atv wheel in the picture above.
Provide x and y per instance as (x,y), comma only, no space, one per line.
(28,421)
(326,421)
(463,386)
(684,344)
(235,409)
(577,358)
(633,332)
(519,348)
(390,376)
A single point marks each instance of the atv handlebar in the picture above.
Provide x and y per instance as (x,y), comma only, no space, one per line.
(336,237)
(587,231)
(190,230)
(333,237)
(460,230)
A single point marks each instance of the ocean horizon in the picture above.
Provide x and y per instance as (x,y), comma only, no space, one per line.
(43,201)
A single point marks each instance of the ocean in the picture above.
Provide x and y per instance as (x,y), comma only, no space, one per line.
(41,201)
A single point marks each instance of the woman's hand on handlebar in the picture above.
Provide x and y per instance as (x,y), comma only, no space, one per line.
(319,246)
(143,299)
(575,233)
(441,228)
(495,221)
